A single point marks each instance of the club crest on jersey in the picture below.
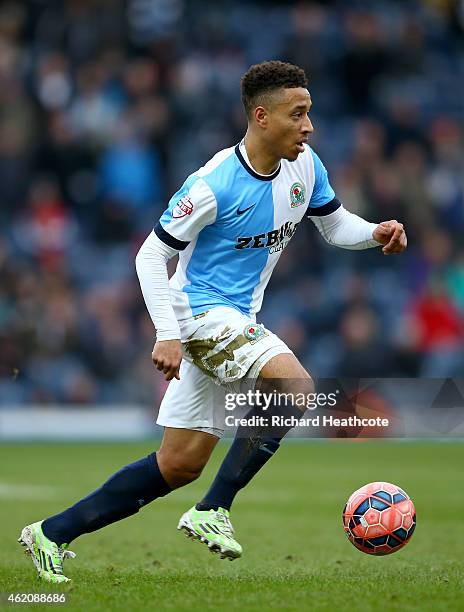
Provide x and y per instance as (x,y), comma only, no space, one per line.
(183,208)
(254,332)
(297,195)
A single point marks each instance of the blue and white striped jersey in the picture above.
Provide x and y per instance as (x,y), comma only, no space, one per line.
(231,224)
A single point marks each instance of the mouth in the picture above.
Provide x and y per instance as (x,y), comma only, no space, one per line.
(300,145)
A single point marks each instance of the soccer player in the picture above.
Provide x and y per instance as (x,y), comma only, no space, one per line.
(229,222)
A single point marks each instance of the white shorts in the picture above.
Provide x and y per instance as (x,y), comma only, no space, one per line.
(221,348)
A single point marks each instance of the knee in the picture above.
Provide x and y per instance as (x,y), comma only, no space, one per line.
(283,366)
(295,386)
(295,380)
(178,470)
(285,374)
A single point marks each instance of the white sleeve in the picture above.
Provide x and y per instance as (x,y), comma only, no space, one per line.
(345,229)
(151,269)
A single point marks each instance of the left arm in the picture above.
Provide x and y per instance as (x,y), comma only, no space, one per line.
(346,230)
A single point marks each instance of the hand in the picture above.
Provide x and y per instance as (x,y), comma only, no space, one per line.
(392,235)
(167,355)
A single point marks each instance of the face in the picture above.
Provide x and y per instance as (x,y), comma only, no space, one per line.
(285,122)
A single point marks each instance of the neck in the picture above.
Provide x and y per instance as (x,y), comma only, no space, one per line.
(262,160)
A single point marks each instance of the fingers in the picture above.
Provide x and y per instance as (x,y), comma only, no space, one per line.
(398,240)
(169,365)
(169,368)
(167,357)
(384,231)
(384,228)
(171,372)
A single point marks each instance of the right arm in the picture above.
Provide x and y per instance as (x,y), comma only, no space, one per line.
(189,210)
(150,264)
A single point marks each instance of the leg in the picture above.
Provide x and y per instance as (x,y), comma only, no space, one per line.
(181,458)
(246,349)
(283,366)
(251,449)
(183,455)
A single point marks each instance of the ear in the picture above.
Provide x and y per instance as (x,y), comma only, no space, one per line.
(261,116)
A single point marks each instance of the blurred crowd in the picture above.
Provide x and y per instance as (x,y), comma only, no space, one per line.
(106,106)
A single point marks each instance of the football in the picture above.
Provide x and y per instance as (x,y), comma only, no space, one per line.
(379,518)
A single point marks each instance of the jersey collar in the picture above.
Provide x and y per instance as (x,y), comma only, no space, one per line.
(249,169)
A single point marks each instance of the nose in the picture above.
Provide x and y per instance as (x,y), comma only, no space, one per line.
(308,126)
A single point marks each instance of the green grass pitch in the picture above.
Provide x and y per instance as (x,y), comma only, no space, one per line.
(288,520)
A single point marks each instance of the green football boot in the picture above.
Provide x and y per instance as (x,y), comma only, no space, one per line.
(213,528)
(47,556)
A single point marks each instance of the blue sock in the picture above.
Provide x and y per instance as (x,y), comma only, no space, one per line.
(122,495)
(250,450)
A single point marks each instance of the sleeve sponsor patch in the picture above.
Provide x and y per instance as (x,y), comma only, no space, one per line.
(183,208)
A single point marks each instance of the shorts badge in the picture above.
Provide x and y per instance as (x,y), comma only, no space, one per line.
(254,332)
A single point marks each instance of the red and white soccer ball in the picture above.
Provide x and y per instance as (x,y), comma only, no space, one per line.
(379,518)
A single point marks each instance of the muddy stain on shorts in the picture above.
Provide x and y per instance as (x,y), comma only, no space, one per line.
(210,356)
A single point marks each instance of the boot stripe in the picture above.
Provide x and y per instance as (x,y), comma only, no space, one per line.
(46,563)
(204,528)
(43,561)
(50,563)
(213,528)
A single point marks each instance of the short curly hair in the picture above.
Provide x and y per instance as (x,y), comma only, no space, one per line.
(262,79)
